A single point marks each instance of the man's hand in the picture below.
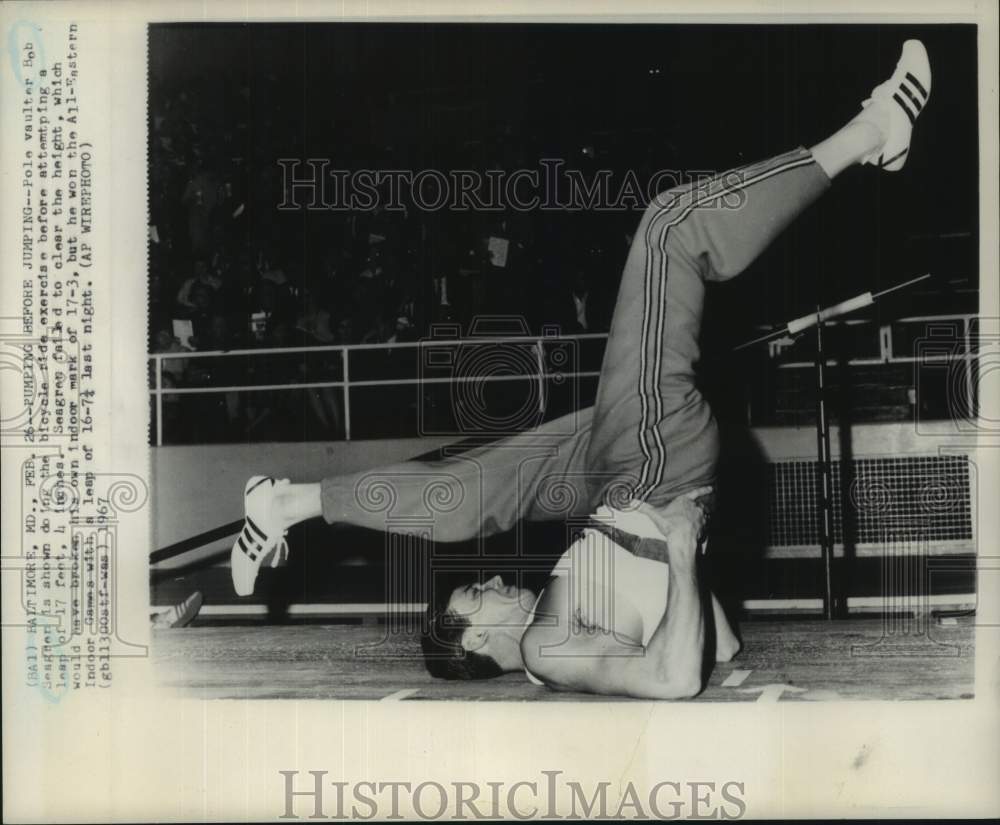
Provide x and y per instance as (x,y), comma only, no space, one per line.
(682,521)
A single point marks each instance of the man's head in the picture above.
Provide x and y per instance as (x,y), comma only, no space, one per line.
(345,331)
(477,633)
(164,340)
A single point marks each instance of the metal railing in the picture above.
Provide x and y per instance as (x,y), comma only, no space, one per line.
(886,354)
(966,352)
(346,383)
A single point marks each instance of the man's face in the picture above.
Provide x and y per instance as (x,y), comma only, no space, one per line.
(492,603)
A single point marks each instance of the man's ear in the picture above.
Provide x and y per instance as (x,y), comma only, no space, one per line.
(474,639)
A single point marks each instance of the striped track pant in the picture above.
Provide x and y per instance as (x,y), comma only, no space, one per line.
(650,434)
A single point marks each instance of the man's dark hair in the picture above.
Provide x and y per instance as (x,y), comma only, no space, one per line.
(444,655)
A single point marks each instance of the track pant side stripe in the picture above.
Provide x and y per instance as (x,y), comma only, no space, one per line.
(649,379)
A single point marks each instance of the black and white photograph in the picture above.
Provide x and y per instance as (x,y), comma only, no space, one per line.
(509,409)
(537,362)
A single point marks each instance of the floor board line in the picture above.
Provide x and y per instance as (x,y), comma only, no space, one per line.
(736,678)
(399,695)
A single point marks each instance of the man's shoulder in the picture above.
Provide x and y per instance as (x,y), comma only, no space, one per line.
(545,613)
(546,627)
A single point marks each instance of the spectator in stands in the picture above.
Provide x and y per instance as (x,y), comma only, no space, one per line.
(577,310)
(268,308)
(314,321)
(167,342)
(314,325)
(221,336)
(201,194)
(200,314)
(504,252)
(381,333)
(345,330)
(202,275)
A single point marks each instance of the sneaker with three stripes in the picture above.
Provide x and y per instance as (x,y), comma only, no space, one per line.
(902,98)
(262,538)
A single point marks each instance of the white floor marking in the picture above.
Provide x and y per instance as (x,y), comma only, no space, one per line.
(736,678)
(399,694)
(772,693)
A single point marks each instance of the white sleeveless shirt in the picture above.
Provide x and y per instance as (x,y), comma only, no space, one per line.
(605,578)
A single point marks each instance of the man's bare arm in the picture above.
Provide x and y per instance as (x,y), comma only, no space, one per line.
(597,661)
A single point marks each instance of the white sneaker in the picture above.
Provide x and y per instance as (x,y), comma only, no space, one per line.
(181,614)
(262,538)
(903,96)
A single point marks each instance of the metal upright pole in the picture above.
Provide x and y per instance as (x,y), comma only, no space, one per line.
(825,474)
(344,359)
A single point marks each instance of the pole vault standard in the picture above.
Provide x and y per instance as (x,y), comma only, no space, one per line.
(831,607)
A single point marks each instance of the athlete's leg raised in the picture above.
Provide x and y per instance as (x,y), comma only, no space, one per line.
(650,421)
(537,475)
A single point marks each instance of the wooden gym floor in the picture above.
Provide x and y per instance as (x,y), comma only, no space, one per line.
(781,660)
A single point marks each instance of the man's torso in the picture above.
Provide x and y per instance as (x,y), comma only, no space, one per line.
(599,584)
